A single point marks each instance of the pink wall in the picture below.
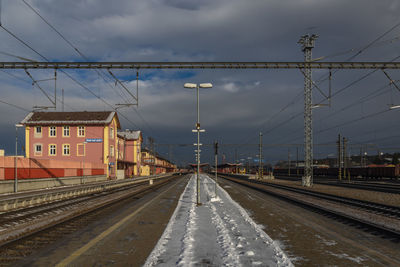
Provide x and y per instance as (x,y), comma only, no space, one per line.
(94,151)
(43,168)
(129,148)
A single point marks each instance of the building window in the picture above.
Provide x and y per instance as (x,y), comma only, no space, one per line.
(66,131)
(38,131)
(111,151)
(81,131)
(80,149)
(38,149)
(52,150)
(52,131)
(111,133)
(66,150)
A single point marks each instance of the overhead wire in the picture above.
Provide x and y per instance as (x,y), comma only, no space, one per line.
(15,76)
(67,41)
(99,72)
(262,128)
(374,41)
(342,53)
(349,122)
(349,85)
(364,99)
(343,89)
(69,76)
(15,106)
(86,58)
(357,54)
(18,57)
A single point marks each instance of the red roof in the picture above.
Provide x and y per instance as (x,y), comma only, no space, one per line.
(78,117)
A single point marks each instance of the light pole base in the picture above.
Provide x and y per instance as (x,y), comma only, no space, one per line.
(306,181)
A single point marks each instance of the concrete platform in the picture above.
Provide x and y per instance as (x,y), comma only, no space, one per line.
(124,237)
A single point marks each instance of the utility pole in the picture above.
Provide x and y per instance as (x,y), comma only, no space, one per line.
(297,160)
(152,156)
(288,160)
(236,160)
(261,167)
(216,166)
(16,161)
(169,152)
(339,157)
(308,43)
(345,171)
(55,89)
(62,91)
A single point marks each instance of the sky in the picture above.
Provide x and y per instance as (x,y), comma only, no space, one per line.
(242,103)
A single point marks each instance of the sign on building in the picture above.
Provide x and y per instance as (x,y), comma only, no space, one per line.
(94,140)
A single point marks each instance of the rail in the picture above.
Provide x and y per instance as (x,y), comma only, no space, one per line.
(26,199)
(390,213)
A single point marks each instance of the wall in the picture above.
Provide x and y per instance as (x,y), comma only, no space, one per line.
(46,168)
(145,170)
(93,151)
(7,186)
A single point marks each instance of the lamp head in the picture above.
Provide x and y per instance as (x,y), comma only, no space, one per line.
(205,85)
(190,85)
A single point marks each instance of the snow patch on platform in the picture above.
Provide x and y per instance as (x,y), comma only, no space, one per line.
(219,232)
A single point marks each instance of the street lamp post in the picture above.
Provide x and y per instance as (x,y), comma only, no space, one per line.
(16,154)
(198,130)
(216,167)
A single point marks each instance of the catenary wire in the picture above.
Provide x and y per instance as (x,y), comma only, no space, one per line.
(346,87)
(86,58)
(68,75)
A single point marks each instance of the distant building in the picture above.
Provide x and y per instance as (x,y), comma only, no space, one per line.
(129,153)
(155,164)
(75,136)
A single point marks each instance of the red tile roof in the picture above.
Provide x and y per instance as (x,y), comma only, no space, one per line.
(79,117)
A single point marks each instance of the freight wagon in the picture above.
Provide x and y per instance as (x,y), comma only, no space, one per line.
(375,172)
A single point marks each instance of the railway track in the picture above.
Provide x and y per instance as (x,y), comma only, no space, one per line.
(28,230)
(32,213)
(393,188)
(381,218)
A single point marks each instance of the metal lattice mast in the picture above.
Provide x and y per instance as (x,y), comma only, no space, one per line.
(308,42)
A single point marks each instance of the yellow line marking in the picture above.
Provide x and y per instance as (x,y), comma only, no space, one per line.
(104,234)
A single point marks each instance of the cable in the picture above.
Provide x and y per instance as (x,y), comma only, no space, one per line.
(381,43)
(69,76)
(354,120)
(275,115)
(374,41)
(351,84)
(97,71)
(347,122)
(15,56)
(16,77)
(360,101)
(21,41)
(15,106)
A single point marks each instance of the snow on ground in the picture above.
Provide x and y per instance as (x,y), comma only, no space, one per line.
(217,233)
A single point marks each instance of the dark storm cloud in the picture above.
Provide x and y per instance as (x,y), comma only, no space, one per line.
(241,102)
